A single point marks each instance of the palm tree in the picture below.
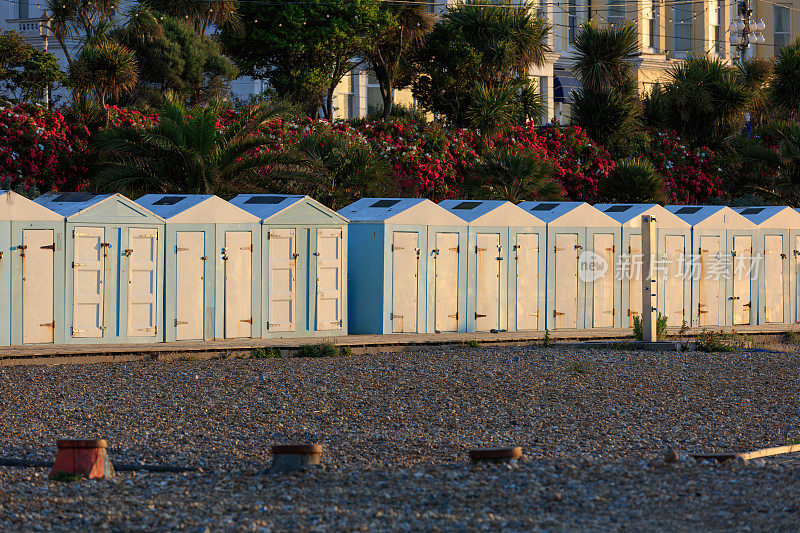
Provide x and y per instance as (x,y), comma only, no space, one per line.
(607,104)
(782,161)
(499,108)
(755,74)
(785,86)
(201,14)
(85,20)
(635,181)
(512,176)
(185,152)
(105,69)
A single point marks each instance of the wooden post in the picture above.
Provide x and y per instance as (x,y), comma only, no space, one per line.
(649,316)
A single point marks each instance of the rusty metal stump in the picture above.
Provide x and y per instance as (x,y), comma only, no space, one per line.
(85,457)
(495,455)
(295,457)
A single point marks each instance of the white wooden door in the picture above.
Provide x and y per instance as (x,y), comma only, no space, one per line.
(634,278)
(189,284)
(88,270)
(773,278)
(487,273)
(796,274)
(445,268)
(527,258)
(282,277)
(742,261)
(565,314)
(709,283)
(405,260)
(238,256)
(142,282)
(37,286)
(675,272)
(603,305)
(329,279)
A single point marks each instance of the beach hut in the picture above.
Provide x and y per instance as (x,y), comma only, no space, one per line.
(405,263)
(776,250)
(304,264)
(114,263)
(673,242)
(31,272)
(724,288)
(505,271)
(582,247)
(212,265)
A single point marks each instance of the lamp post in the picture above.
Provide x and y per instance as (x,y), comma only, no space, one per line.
(44,33)
(745,30)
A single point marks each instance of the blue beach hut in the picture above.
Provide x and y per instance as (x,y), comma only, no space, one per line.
(505,271)
(405,263)
(113,268)
(31,272)
(304,265)
(212,267)
(673,243)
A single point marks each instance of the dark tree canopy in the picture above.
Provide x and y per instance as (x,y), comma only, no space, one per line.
(25,71)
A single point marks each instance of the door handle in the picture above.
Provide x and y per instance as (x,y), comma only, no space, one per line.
(478,315)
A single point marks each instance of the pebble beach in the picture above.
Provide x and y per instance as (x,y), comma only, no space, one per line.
(594,426)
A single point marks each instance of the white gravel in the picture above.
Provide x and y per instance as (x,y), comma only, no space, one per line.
(396,428)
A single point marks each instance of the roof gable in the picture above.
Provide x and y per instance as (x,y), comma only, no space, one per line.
(99,208)
(630,215)
(569,214)
(409,211)
(771,216)
(287,209)
(710,216)
(196,209)
(14,206)
(491,213)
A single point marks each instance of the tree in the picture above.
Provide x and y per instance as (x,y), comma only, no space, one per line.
(607,104)
(25,71)
(174,59)
(84,20)
(305,48)
(513,176)
(477,48)
(201,14)
(785,87)
(634,180)
(755,75)
(387,54)
(105,69)
(706,100)
(186,153)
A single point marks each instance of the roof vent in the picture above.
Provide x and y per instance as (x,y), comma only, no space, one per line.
(618,208)
(688,210)
(385,203)
(74,197)
(544,207)
(169,200)
(265,200)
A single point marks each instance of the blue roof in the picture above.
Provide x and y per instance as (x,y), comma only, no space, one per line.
(168,205)
(67,204)
(760,214)
(266,206)
(549,211)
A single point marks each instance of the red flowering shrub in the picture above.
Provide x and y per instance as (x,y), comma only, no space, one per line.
(122,116)
(691,174)
(39,150)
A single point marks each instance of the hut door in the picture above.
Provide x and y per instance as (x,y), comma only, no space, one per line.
(527,257)
(487,271)
(88,267)
(773,278)
(796,274)
(634,278)
(329,279)
(565,314)
(282,271)
(189,284)
(238,256)
(37,286)
(674,276)
(142,255)
(742,263)
(445,259)
(405,259)
(709,283)
(604,282)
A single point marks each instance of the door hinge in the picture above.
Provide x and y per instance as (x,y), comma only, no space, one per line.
(22,248)
(247,321)
(75,265)
(479,249)
(73,331)
(453,316)
(613,249)
(179,249)
(397,248)
(49,247)
(148,330)
(612,312)
(146,236)
(557,314)
(557,249)
(247,248)
(179,322)
(457,249)
(392,316)
(49,324)
(478,315)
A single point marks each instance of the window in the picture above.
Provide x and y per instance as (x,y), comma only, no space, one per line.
(683,26)
(782,25)
(651,37)
(713,21)
(24,9)
(572,20)
(616,12)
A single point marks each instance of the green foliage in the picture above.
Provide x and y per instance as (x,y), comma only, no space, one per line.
(785,87)
(325,349)
(706,99)
(202,14)
(105,69)
(304,48)
(634,180)
(656,108)
(791,337)
(513,176)
(476,52)
(67,477)
(174,59)
(547,341)
(84,21)
(265,353)
(755,74)
(661,327)
(496,109)
(345,351)
(473,344)
(186,153)
(25,71)
(711,341)
(780,158)
(580,366)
